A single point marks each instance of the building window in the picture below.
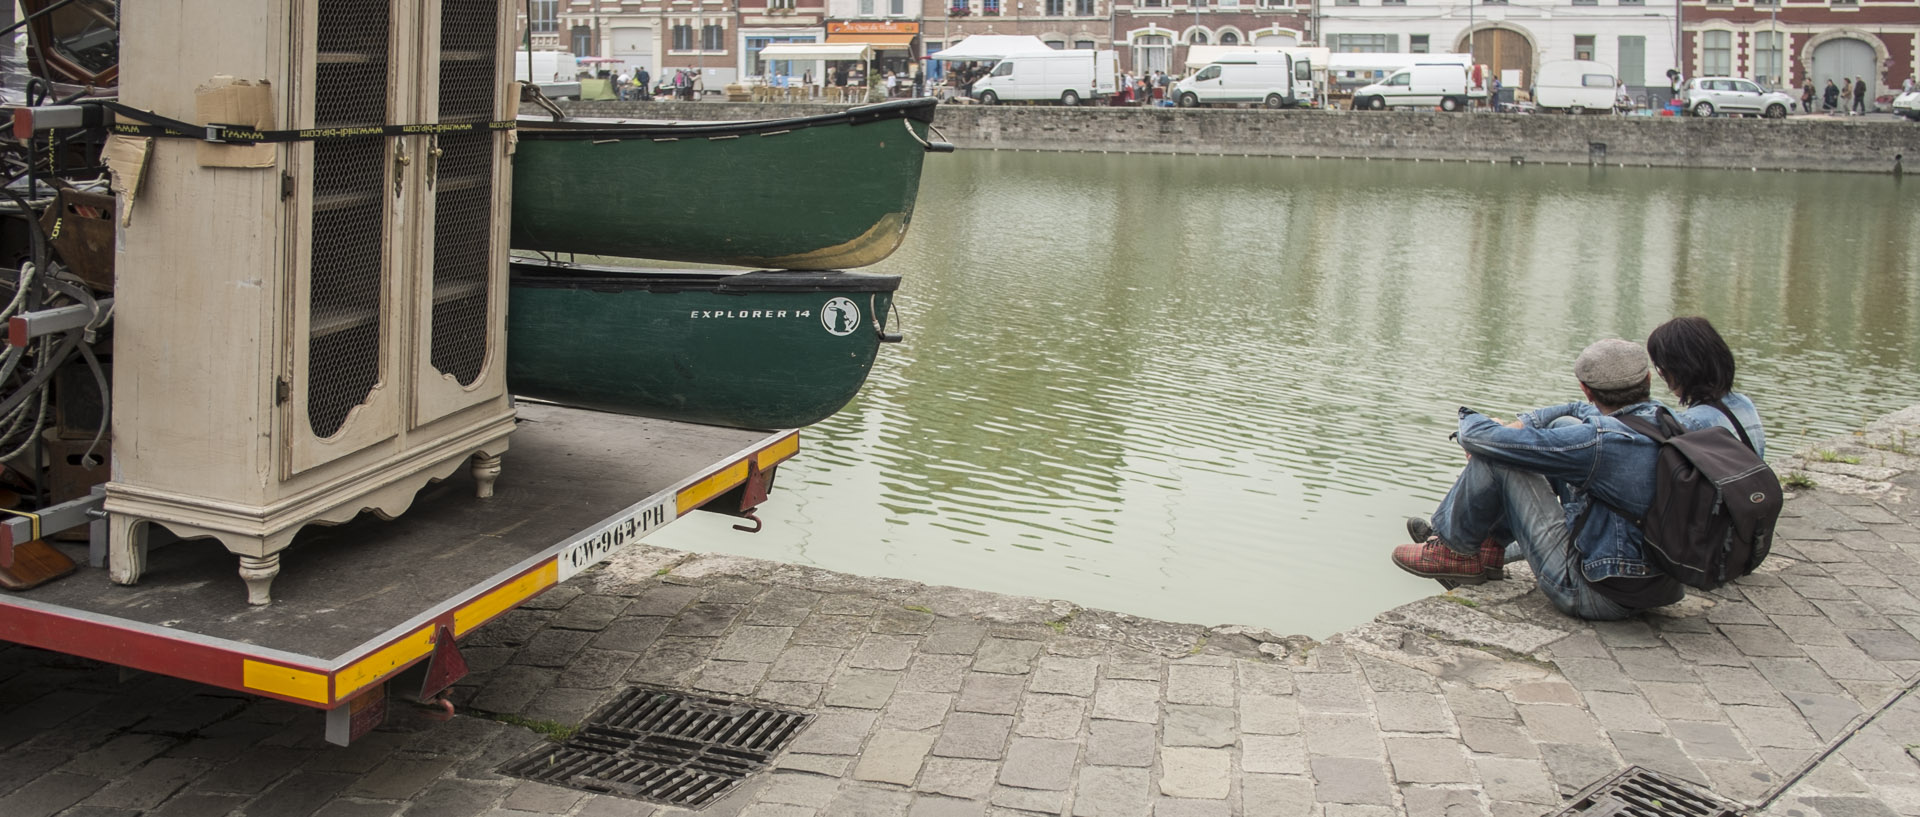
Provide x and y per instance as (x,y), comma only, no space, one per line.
(1082,8)
(1583,46)
(1366,43)
(780,4)
(1766,2)
(1393,2)
(682,37)
(1586,2)
(1633,2)
(713,38)
(1716,53)
(1198,38)
(1084,45)
(1229,38)
(1152,4)
(1056,8)
(1150,52)
(1417,44)
(582,41)
(543,16)
(866,8)
(1767,48)
(897,8)
(1346,2)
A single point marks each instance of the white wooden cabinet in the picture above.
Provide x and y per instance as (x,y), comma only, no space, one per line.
(301,342)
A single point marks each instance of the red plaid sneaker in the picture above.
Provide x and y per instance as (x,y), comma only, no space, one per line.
(1432,559)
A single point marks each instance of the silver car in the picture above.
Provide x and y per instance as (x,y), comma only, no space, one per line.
(1706,96)
(1908,105)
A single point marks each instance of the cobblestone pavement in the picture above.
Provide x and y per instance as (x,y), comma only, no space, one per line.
(1785,690)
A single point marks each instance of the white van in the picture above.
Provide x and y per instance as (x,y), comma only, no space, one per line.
(556,72)
(1272,79)
(1068,77)
(1574,86)
(1421,85)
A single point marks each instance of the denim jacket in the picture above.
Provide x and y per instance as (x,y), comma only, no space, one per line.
(1600,455)
(1703,416)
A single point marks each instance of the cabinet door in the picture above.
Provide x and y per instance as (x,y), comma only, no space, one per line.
(346,212)
(458,357)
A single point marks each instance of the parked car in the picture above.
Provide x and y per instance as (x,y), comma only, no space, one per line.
(1908,105)
(1706,96)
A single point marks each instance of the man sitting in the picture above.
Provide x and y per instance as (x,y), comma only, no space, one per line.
(1534,481)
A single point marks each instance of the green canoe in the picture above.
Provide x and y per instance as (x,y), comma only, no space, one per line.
(832,191)
(745,349)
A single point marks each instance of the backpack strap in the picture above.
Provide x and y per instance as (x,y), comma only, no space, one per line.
(1668,428)
(1738,427)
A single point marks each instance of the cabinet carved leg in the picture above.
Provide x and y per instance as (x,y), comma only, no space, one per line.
(258,573)
(486,470)
(126,549)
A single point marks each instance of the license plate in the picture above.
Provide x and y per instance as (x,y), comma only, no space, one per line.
(597,546)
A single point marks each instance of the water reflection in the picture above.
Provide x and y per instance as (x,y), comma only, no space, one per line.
(1207,389)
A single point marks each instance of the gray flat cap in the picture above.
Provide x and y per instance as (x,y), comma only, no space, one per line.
(1612,364)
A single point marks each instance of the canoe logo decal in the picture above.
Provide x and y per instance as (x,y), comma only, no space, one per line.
(840,316)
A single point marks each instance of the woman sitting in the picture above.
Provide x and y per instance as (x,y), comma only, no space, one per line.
(1698,368)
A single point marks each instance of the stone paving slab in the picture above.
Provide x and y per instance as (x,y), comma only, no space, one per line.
(1785,691)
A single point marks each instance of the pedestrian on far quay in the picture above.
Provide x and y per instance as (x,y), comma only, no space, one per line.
(1830,98)
(1859,96)
(1806,97)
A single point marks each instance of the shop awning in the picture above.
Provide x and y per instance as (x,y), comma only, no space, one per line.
(817,51)
(880,42)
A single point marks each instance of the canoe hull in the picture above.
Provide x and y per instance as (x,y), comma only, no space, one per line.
(813,193)
(748,350)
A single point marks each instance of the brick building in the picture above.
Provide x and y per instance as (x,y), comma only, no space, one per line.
(1148,34)
(1791,41)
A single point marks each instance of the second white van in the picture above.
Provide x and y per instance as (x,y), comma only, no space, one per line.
(1272,79)
(1421,85)
(1068,77)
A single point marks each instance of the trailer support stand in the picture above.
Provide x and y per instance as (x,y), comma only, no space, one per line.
(357,717)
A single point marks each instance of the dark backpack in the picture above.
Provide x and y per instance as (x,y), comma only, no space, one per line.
(1714,506)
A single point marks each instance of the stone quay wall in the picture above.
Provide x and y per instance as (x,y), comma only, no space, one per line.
(1811,143)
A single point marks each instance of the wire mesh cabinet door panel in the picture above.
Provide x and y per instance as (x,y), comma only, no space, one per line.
(459,293)
(343,393)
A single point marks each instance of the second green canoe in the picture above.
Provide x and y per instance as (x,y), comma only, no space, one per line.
(833,191)
(742,349)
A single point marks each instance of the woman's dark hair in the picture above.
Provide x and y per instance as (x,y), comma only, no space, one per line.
(1693,359)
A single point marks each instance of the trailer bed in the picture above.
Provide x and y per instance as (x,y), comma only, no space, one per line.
(358,602)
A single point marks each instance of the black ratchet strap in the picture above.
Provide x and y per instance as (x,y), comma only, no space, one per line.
(216,133)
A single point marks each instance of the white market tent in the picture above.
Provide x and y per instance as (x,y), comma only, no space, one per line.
(990,47)
(1199,55)
(817,51)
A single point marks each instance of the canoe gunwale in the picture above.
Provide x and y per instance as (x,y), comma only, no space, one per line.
(921,109)
(607,278)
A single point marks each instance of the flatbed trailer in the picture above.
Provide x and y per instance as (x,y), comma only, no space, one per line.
(358,603)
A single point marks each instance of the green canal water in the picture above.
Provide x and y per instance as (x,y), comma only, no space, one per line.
(1209,389)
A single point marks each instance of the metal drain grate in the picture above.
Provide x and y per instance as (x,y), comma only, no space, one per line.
(1639,792)
(664,747)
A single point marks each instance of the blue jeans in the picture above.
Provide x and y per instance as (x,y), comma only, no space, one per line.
(1495,501)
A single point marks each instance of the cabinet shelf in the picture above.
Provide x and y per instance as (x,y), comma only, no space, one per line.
(334,321)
